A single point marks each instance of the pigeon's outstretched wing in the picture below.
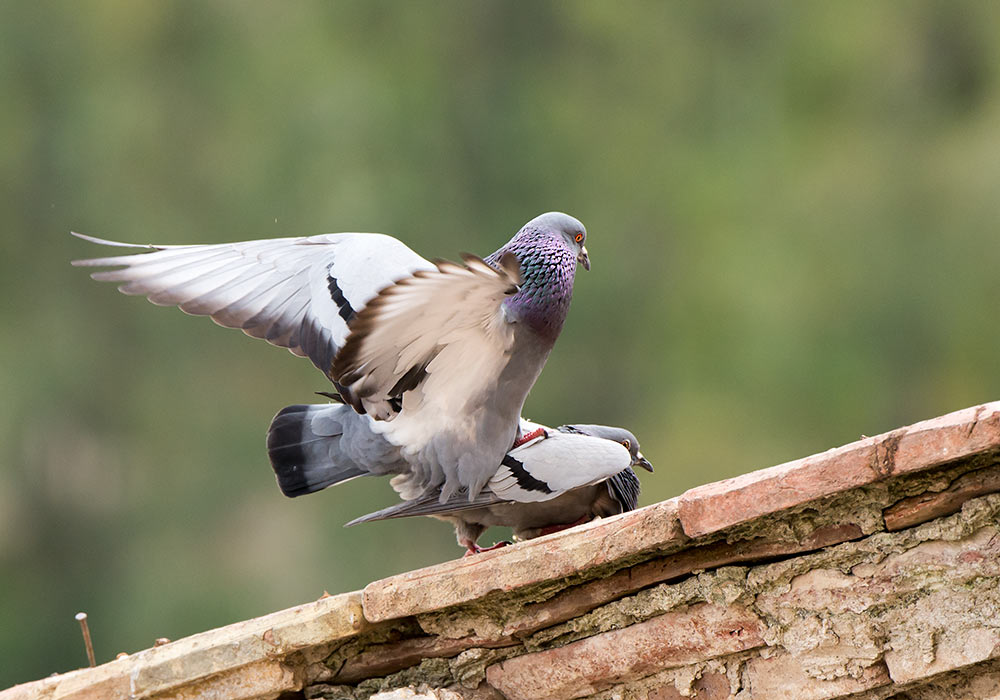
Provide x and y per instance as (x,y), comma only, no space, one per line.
(297,293)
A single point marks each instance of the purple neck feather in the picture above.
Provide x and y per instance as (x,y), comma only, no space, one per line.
(549,267)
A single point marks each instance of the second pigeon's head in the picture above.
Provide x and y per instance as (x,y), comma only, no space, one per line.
(620,435)
(566,227)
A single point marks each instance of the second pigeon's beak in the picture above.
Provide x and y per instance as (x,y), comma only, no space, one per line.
(641,461)
(583,258)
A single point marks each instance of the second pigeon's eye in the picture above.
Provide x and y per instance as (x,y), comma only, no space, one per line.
(578,238)
(627,444)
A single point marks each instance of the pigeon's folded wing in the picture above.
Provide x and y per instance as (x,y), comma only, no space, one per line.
(443,331)
(540,470)
(545,469)
(297,293)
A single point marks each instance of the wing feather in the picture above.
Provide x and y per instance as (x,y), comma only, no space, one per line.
(428,505)
(561,462)
(276,289)
(452,311)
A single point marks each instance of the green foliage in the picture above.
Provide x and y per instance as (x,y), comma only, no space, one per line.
(792,211)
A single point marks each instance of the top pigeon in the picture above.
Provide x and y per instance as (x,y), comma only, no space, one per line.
(440,356)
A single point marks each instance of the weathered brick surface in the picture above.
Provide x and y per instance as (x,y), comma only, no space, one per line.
(383,659)
(579,599)
(937,634)
(928,609)
(710,686)
(249,682)
(783,677)
(238,661)
(108,681)
(596,663)
(713,507)
(272,636)
(927,506)
(560,555)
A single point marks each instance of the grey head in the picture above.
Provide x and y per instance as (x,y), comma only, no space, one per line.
(568,226)
(609,432)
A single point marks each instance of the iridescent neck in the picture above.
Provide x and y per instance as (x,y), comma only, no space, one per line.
(548,269)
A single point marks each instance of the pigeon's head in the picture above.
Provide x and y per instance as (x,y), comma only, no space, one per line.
(620,435)
(561,226)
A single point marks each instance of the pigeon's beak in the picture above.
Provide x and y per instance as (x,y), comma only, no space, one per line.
(583,258)
(641,461)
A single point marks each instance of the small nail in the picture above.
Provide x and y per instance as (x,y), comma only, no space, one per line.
(81,617)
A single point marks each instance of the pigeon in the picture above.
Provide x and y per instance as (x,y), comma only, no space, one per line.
(435,358)
(551,479)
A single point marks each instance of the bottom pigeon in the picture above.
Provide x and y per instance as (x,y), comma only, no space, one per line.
(551,479)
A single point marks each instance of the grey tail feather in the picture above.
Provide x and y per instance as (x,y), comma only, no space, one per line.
(300,458)
(429,504)
(624,488)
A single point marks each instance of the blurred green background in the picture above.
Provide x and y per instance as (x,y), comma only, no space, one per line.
(792,211)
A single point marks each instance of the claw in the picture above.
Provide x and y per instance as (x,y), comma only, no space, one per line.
(473,548)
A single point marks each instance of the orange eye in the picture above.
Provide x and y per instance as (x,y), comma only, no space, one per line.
(578,238)
(627,444)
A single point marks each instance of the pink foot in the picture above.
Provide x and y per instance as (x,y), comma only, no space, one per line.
(528,437)
(473,548)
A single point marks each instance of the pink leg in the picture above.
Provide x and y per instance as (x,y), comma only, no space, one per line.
(473,548)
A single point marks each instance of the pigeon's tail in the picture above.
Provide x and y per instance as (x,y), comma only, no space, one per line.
(303,443)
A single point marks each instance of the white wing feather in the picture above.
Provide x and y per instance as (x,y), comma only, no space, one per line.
(562,461)
(276,289)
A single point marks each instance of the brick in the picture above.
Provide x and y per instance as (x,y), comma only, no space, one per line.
(105,682)
(596,663)
(587,596)
(959,435)
(553,557)
(224,662)
(328,619)
(263,679)
(944,631)
(928,506)
(929,564)
(411,693)
(784,677)
(383,659)
(711,686)
(955,650)
(980,682)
